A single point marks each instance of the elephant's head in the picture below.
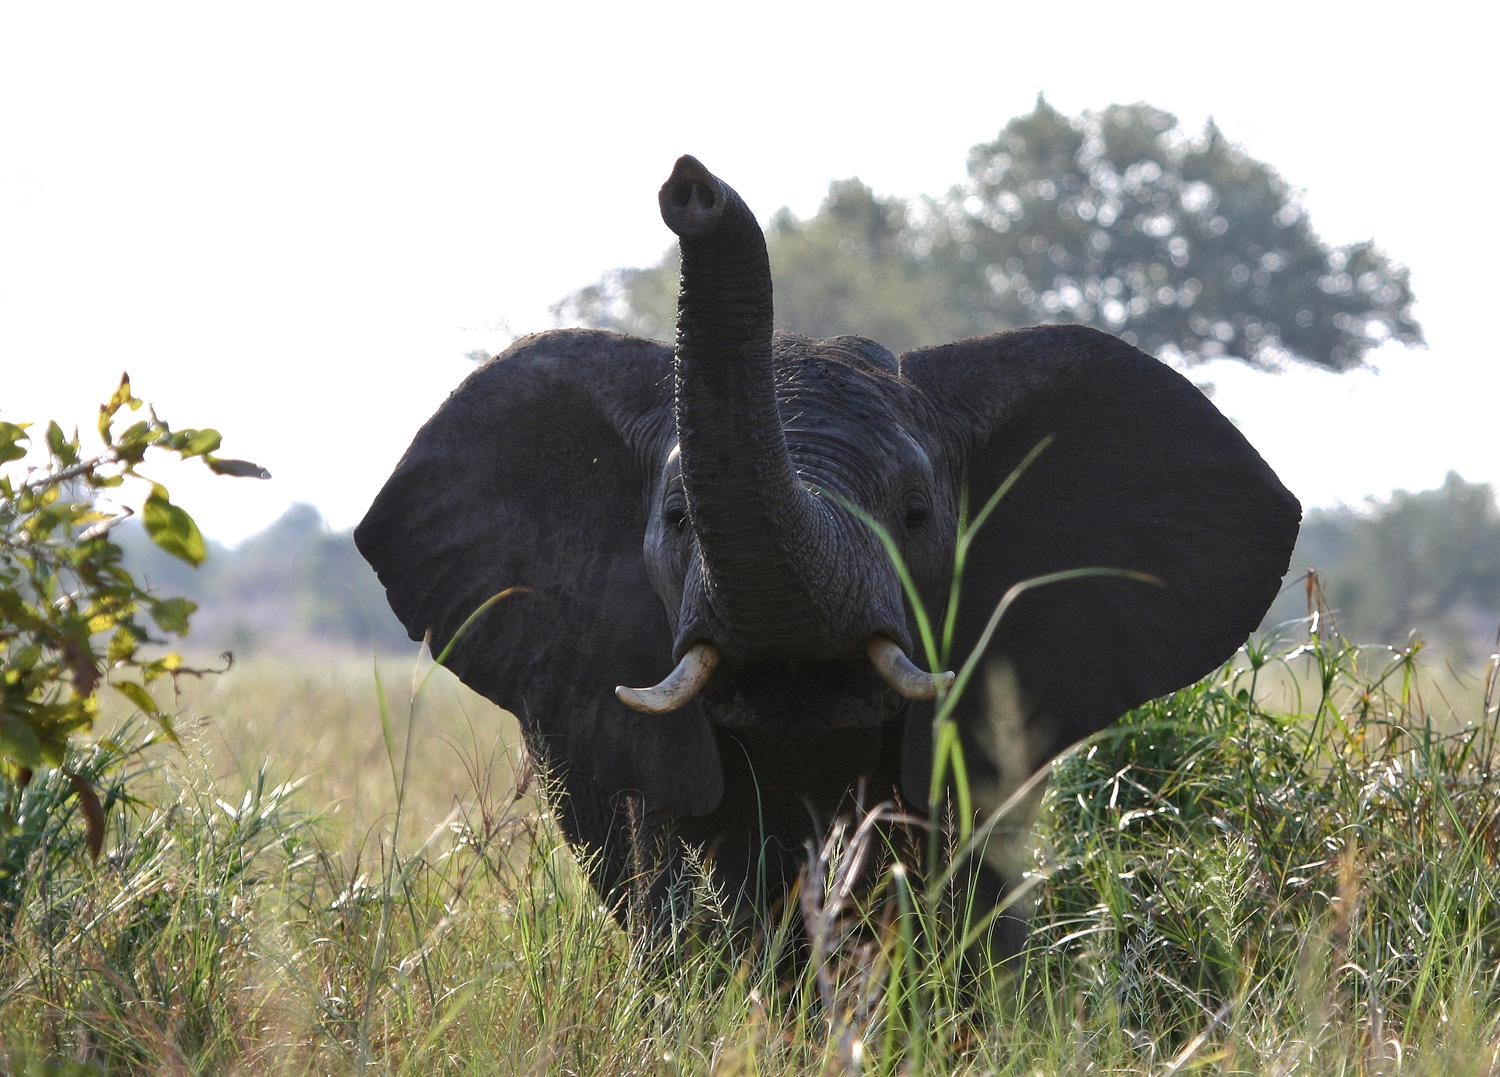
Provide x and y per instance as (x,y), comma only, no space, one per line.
(647,508)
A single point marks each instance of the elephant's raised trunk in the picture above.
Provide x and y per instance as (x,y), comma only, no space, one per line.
(764,538)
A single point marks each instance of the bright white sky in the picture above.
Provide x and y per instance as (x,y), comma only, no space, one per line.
(291,220)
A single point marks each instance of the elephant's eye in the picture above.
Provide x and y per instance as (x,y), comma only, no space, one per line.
(674,512)
(917,512)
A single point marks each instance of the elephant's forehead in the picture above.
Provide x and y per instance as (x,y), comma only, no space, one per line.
(828,388)
(837,380)
(836,414)
(849,351)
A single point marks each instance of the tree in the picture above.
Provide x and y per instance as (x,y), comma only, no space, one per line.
(1428,560)
(1183,245)
(855,267)
(1424,556)
(293,585)
(851,268)
(638,301)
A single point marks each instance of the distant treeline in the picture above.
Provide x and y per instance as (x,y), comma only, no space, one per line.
(295,583)
(1427,561)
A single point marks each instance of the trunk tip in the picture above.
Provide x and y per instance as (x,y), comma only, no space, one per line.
(692,200)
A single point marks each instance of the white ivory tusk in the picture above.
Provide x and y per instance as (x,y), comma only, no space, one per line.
(897,670)
(681,685)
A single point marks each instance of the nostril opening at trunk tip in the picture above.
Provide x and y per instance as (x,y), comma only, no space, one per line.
(691,193)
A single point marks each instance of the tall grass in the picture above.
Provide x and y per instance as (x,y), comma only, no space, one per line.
(1290,867)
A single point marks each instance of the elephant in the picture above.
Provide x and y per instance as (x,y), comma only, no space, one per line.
(591,512)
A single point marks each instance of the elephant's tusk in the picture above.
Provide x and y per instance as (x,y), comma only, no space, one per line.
(681,685)
(897,670)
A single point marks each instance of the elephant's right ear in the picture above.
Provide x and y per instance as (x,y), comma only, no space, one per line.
(532,479)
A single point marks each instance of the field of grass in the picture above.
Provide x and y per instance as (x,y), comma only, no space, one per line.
(318,722)
(1292,867)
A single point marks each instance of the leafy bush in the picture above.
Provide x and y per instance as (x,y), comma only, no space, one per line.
(72,619)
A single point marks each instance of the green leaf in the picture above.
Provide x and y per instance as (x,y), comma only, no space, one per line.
(123,644)
(136,694)
(19,742)
(10,434)
(122,396)
(172,614)
(137,431)
(62,447)
(172,529)
(242,469)
(26,657)
(196,442)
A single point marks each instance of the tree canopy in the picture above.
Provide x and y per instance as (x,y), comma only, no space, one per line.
(1179,242)
(851,268)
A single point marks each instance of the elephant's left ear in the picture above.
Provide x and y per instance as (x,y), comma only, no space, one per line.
(1143,473)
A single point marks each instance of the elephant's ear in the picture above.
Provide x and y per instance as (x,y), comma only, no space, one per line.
(1143,474)
(533,479)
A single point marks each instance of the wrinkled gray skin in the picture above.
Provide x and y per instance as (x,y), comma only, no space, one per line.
(634,500)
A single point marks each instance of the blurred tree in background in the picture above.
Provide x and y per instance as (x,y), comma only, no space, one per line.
(1120,219)
(1428,561)
(641,302)
(294,583)
(1184,244)
(852,268)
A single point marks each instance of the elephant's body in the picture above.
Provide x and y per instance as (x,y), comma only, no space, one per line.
(639,505)
(781,792)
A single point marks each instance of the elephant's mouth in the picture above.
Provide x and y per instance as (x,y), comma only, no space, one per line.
(799,695)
